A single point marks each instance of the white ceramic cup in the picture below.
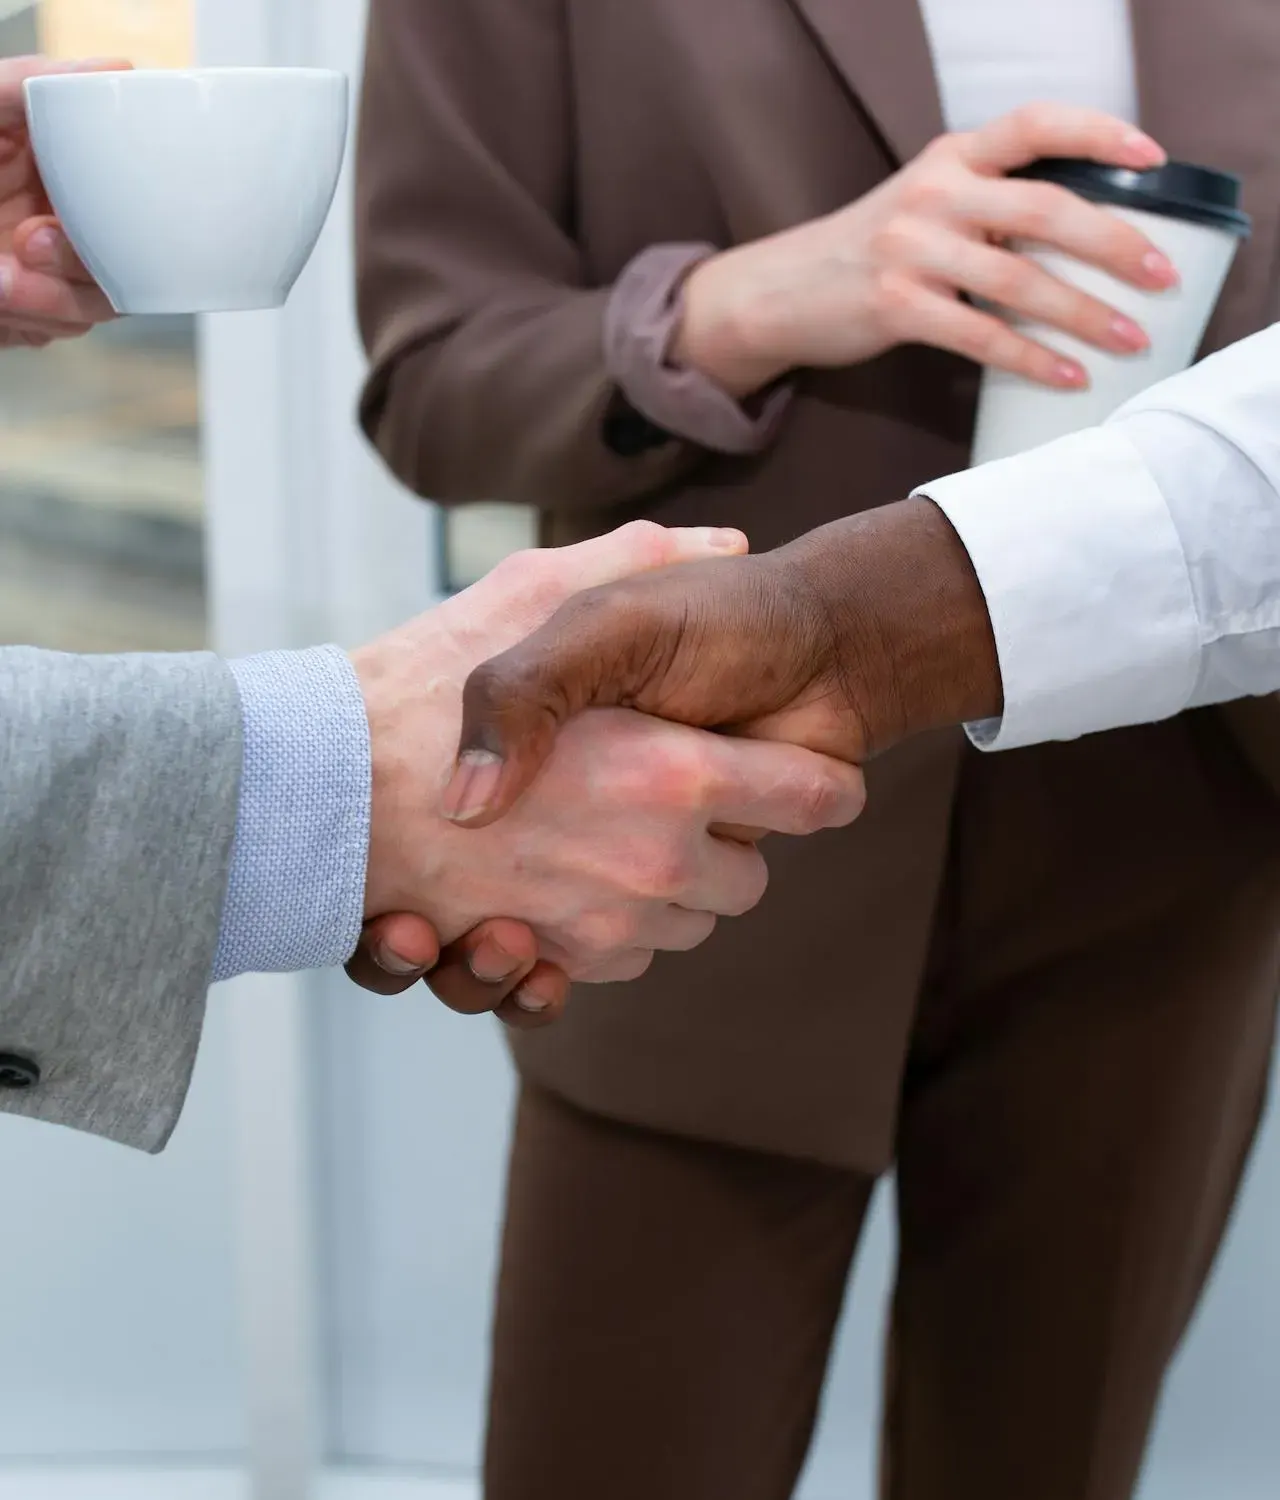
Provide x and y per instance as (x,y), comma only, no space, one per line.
(193,191)
(1200,238)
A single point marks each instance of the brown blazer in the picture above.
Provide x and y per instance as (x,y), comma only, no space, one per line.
(515,156)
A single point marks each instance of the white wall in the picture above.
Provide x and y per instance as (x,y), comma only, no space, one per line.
(117,1297)
(1219,1433)
(415,1126)
(1218,1436)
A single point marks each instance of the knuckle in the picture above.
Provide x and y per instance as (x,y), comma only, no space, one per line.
(1085,317)
(742,889)
(755,882)
(1013,352)
(601,935)
(1015,279)
(1042,209)
(697,928)
(634,965)
(534,575)
(897,299)
(986,341)
(894,240)
(1034,120)
(926,193)
(663,872)
(534,567)
(617,970)
(679,931)
(818,800)
(516,566)
(943,148)
(647,541)
(683,774)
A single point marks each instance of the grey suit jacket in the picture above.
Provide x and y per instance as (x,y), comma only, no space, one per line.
(119,787)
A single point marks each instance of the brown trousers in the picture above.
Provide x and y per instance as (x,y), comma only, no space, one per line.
(1088,1067)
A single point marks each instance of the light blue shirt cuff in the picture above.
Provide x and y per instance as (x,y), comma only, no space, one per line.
(295,894)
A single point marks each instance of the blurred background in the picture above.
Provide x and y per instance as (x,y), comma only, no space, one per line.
(101,495)
(292,1303)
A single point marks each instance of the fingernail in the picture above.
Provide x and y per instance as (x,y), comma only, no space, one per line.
(528,1001)
(491,963)
(43,246)
(1069,373)
(474,782)
(725,539)
(1139,144)
(1128,334)
(1160,268)
(390,962)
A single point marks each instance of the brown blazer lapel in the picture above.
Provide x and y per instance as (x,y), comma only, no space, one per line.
(881,50)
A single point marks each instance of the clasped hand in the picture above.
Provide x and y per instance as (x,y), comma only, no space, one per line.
(849,639)
(637,834)
(45,292)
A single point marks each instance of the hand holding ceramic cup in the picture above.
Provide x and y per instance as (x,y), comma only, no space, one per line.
(1193,215)
(188,192)
(45,293)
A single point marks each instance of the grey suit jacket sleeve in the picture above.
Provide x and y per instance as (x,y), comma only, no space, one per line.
(119,780)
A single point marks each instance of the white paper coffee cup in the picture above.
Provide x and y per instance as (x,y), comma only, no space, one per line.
(1193,215)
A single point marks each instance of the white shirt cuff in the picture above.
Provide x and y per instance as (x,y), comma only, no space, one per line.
(1086,584)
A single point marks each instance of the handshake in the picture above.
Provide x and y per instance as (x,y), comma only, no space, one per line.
(560,844)
(575,760)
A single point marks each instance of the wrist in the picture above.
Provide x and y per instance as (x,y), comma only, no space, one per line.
(721,334)
(413,706)
(908,621)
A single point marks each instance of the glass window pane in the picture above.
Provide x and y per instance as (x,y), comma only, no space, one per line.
(101,543)
(478,536)
(101,546)
(151,33)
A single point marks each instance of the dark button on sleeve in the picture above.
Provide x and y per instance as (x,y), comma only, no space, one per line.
(17,1072)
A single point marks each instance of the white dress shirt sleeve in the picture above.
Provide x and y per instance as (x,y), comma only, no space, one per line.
(1133,570)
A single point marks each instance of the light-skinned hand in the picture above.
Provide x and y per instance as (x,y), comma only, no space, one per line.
(899,265)
(45,292)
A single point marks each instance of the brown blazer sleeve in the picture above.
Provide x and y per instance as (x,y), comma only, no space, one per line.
(640,327)
(489,378)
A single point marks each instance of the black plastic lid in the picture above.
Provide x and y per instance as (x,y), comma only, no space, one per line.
(1178,190)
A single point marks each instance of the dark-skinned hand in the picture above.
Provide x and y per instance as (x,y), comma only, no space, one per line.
(494,968)
(844,642)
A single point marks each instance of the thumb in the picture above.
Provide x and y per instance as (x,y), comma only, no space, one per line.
(584,655)
(514,705)
(41,245)
(639,547)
